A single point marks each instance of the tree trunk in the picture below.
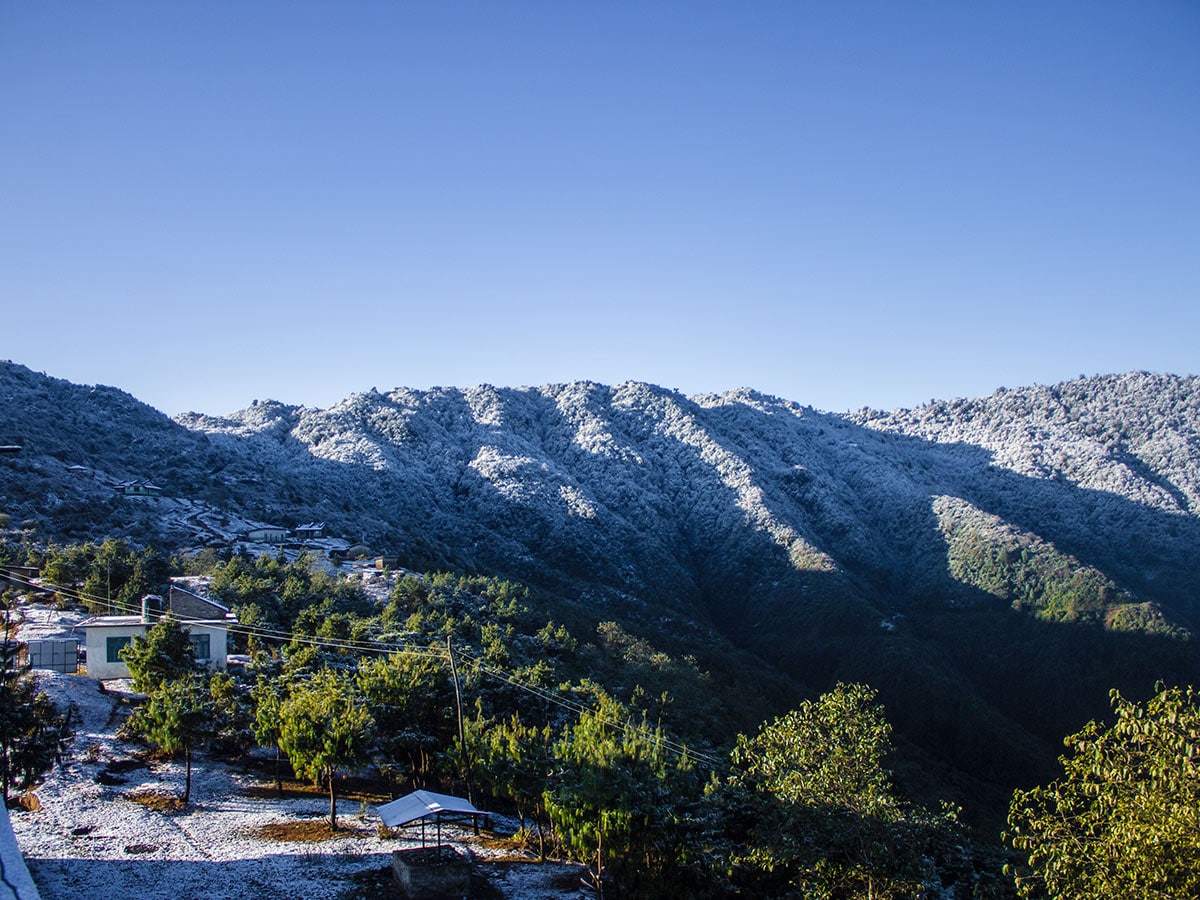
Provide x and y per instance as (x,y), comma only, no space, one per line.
(278,779)
(332,803)
(600,863)
(187,783)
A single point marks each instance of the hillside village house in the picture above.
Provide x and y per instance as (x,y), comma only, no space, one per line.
(139,488)
(311,530)
(206,621)
(267,534)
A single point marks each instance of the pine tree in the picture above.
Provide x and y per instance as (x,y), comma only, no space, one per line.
(177,718)
(164,654)
(31,728)
(325,726)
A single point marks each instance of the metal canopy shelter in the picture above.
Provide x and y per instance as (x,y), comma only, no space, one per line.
(424,805)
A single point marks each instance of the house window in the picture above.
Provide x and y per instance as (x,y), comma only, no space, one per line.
(113,645)
(200,648)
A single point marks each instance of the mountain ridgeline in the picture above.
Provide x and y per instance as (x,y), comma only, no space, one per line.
(992,566)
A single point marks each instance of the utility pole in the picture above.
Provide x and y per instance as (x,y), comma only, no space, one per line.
(462,731)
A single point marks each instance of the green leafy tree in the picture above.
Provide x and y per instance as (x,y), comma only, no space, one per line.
(824,818)
(233,715)
(164,654)
(280,591)
(325,726)
(66,566)
(411,700)
(827,752)
(177,718)
(1124,820)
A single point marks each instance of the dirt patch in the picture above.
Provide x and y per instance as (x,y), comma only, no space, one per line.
(121,766)
(359,790)
(309,831)
(292,790)
(30,802)
(140,848)
(517,845)
(162,801)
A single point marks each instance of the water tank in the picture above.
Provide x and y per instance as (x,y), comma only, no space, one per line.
(152,607)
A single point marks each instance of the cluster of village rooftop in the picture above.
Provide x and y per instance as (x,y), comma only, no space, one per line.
(263,534)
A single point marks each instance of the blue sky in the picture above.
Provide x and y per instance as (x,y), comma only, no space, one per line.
(846,204)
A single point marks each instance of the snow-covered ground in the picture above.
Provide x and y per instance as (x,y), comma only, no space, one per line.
(89,840)
(40,622)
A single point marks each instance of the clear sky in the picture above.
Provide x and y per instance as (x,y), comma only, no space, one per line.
(842,203)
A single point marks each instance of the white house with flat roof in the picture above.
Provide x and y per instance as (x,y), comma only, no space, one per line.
(106,636)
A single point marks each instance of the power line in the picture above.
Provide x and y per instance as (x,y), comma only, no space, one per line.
(385,648)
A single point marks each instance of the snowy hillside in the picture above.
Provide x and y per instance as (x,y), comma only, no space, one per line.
(1013,556)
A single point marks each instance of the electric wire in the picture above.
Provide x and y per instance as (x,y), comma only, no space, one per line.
(386,648)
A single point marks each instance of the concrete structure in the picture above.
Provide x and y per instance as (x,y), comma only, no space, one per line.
(426,873)
(107,635)
(188,605)
(56,656)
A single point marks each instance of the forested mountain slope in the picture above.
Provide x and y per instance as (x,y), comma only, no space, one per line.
(993,566)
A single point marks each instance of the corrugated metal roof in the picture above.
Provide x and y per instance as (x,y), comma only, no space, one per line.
(420,804)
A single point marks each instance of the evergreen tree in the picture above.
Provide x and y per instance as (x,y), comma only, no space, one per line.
(515,762)
(325,726)
(177,718)
(32,730)
(411,699)
(164,654)
(268,702)
(615,803)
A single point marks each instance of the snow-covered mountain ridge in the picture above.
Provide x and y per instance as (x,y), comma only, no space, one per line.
(975,549)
